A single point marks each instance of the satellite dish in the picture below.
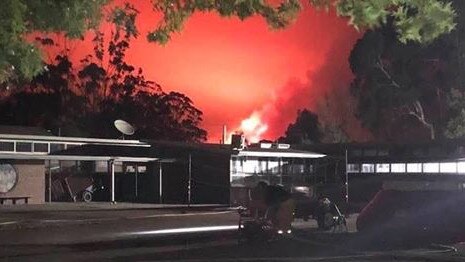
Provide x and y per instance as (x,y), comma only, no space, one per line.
(124,127)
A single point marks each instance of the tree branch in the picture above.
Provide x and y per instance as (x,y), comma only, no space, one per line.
(381,67)
(418,112)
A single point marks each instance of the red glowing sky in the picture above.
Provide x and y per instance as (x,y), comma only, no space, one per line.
(231,69)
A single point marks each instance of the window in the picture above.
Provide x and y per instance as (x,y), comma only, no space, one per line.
(431,168)
(56,147)
(101,166)
(7,146)
(262,165)
(398,168)
(130,169)
(310,168)
(236,165)
(413,168)
(250,166)
(141,169)
(450,167)
(293,167)
(461,167)
(273,166)
(368,168)
(353,168)
(23,147)
(382,168)
(41,147)
(299,168)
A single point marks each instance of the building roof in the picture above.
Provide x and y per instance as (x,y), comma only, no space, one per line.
(74,158)
(182,148)
(63,139)
(161,147)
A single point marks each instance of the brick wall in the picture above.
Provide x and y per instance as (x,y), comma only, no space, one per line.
(31,181)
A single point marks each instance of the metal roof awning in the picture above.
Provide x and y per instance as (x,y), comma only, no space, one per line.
(58,139)
(76,158)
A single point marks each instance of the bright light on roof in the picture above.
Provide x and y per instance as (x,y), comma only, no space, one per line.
(284,146)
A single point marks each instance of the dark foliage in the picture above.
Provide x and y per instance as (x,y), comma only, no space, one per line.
(305,130)
(86,100)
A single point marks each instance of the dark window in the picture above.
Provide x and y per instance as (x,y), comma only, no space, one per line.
(23,147)
(41,147)
(56,147)
(7,146)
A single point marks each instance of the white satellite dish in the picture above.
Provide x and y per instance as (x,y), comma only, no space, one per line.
(124,127)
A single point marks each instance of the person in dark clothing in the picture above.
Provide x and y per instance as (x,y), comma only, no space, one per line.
(265,199)
(275,195)
(324,206)
(257,200)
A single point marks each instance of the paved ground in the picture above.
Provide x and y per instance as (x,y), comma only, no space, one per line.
(81,206)
(33,216)
(136,233)
(109,226)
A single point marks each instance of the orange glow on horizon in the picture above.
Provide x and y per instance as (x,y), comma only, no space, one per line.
(242,74)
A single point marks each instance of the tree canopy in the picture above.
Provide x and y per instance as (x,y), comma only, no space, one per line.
(305,129)
(20,58)
(85,99)
(402,88)
(414,20)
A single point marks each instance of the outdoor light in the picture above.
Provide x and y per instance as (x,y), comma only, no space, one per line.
(280,232)
(241,226)
(289,231)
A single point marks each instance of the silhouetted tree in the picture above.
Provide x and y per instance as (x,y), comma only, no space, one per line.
(305,130)
(87,100)
(410,91)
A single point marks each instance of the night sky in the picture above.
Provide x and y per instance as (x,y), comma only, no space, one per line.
(235,70)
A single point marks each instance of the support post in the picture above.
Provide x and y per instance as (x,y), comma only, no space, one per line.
(111,165)
(347,178)
(49,171)
(136,178)
(189,183)
(161,183)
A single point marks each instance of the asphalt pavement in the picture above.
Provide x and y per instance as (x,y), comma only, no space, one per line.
(207,233)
